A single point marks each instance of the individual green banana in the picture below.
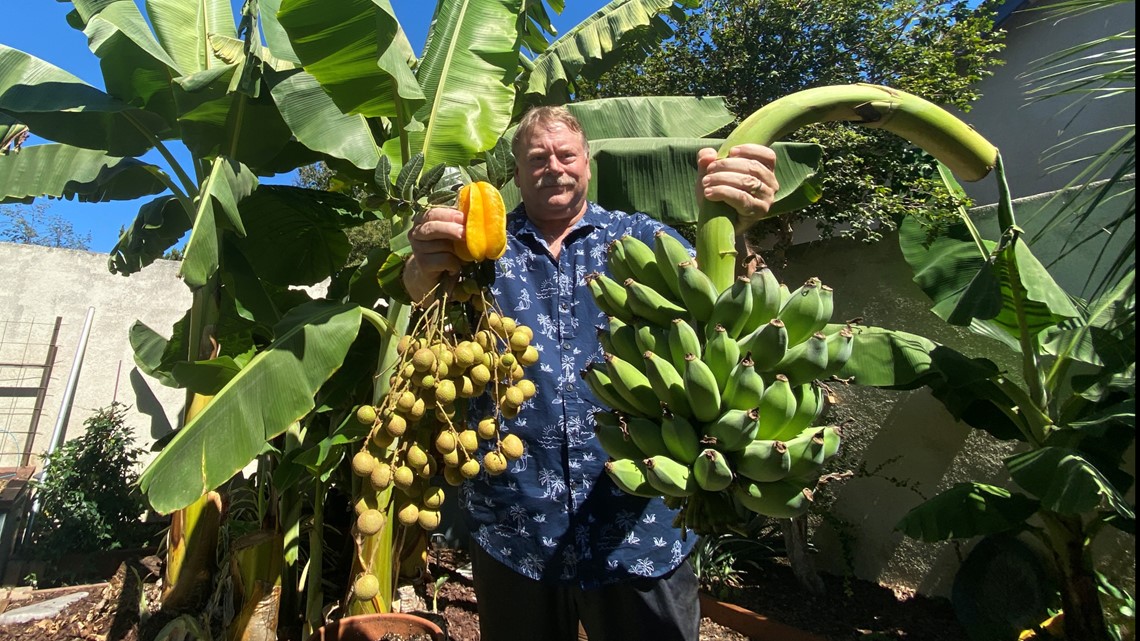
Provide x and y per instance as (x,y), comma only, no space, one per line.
(618,262)
(670,477)
(807,311)
(712,471)
(702,387)
(732,308)
(840,345)
(765,298)
(680,437)
(683,339)
(767,344)
(629,476)
(652,306)
(633,387)
(670,253)
(598,379)
(610,297)
(776,407)
(808,454)
(614,438)
(779,500)
(734,429)
(651,338)
(745,386)
(809,405)
(667,383)
(763,461)
(697,291)
(785,295)
(721,355)
(805,362)
(646,434)
(643,263)
(623,341)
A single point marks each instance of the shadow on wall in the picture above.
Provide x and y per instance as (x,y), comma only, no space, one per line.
(147,403)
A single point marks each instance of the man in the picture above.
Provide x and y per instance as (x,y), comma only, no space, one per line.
(555,541)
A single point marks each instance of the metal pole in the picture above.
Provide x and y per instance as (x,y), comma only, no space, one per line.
(60,431)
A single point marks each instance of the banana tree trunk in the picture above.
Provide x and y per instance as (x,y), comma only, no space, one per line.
(1080,597)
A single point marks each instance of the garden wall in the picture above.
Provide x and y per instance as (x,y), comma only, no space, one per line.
(37,284)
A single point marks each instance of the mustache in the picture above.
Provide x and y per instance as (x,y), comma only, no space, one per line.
(555,181)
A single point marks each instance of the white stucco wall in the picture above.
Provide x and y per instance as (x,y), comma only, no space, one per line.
(1023,132)
(37,284)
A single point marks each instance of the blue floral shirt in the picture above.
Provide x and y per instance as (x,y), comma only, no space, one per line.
(556,516)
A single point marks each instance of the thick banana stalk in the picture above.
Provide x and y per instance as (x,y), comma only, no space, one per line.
(969,155)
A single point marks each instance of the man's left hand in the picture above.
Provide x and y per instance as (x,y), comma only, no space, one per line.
(745,180)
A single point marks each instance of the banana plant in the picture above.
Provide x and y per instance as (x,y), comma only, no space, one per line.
(1072,404)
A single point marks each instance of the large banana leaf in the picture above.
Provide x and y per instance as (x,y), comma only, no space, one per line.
(259,403)
(466,73)
(58,106)
(159,224)
(184,26)
(652,117)
(61,171)
(275,37)
(658,175)
(966,284)
(967,510)
(295,235)
(136,69)
(357,51)
(228,183)
(593,46)
(1066,482)
(318,124)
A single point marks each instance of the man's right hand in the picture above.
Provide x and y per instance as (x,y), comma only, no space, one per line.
(433,237)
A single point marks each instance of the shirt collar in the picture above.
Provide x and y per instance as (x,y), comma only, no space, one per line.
(519,225)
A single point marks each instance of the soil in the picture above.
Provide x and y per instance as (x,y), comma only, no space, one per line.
(849,609)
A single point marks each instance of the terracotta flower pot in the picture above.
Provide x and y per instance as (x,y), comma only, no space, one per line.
(372,627)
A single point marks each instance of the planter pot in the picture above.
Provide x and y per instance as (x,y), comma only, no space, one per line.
(752,625)
(372,627)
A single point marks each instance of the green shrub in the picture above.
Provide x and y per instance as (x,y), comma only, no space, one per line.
(89,500)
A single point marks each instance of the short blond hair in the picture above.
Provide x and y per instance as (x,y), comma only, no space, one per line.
(544,117)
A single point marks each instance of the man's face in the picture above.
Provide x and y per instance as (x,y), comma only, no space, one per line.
(553,173)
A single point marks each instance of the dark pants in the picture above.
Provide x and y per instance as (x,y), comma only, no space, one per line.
(513,607)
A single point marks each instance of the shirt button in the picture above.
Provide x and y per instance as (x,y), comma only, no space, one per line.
(569,387)
(566,346)
(563,307)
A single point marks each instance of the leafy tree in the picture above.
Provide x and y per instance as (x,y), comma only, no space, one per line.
(361,239)
(754,51)
(35,225)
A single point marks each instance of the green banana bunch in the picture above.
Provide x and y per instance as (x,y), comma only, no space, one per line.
(807,311)
(670,253)
(779,499)
(670,477)
(629,475)
(763,461)
(733,430)
(712,471)
(611,432)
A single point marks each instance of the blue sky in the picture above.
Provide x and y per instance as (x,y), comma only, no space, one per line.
(38,27)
